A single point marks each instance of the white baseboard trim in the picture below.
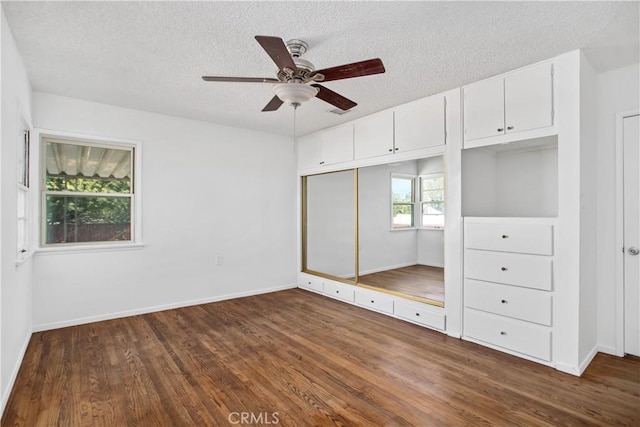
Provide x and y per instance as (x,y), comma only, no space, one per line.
(14,373)
(117,315)
(389,267)
(585,363)
(609,350)
(567,369)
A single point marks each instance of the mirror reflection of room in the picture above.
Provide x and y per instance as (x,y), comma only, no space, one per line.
(330,224)
(401,228)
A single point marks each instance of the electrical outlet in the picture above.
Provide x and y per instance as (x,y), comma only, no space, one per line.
(219,260)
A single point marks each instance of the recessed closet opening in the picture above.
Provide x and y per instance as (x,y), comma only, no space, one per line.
(519,179)
(380,227)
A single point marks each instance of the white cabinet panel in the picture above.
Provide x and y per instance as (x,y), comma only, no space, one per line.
(309,151)
(373,135)
(529,271)
(374,300)
(516,335)
(520,303)
(338,290)
(423,316)
(516,102)
(311,283)
(337,144)
(420,124)
(528,99)
(484,109)
(520,238)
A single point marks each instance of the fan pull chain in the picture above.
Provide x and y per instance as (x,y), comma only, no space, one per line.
(295,145)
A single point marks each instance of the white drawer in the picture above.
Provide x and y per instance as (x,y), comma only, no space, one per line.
(521,238)
(374,300)
(530,271)
(339,290)
(516,335)
(311,283)
(423,316)
(520,303)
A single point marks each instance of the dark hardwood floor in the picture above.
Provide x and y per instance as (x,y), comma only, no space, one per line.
(418,280)
(296,358)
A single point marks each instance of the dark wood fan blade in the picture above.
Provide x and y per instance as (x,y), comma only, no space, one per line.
(240,79)
(334,98)
(275,47)
(357,69)
(273,105)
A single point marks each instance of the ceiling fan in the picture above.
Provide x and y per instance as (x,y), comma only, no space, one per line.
(297,79)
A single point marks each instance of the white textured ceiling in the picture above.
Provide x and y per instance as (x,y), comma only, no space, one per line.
(150,55)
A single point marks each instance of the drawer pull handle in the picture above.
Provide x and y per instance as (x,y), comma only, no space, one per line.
(500,129)
(504,301)
(337,292)
(504,269)
(505,236)
(390,150)
(372,302)
(509,127)
(503,333)
(309,282)
(418,314)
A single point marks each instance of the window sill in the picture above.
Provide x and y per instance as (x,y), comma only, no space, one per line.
(432,228)
(26,258)
(404,229)
(89,248)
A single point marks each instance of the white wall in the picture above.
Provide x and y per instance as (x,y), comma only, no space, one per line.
(617,92)
(588,220)
(381,248)
(431,242)
(207,190)
(15,281)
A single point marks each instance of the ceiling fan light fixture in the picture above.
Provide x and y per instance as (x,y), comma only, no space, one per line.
(294,93)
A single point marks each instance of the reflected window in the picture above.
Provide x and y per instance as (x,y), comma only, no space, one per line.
(432,200)
(403,201)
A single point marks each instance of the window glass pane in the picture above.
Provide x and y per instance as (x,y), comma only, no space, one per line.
(402,216)
(401,190)
(88,185)
(87,219)
(433,214)
(433,195)
(86,168)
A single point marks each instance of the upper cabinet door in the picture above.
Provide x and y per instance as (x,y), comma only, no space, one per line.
(484,109)
(309,151)
(373,135)
(337,144)
(528,98)
(420,124)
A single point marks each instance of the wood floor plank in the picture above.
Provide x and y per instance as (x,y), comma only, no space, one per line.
(307,360)
(417,280)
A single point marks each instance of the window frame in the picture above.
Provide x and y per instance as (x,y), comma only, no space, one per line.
(136,183)
(23,194)
(412,203)
(423,202)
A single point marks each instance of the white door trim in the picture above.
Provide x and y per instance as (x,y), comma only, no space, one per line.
(619,285)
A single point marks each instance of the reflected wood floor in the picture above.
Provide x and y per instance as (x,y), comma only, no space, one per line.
(308,358)
(418,280)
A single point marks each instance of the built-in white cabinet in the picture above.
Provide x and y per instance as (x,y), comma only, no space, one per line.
(516,102)
(508,290)
(420,124)
(391,305)
(373,135)
(327,147)
(413,126)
